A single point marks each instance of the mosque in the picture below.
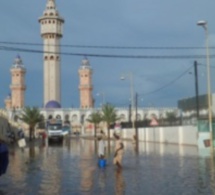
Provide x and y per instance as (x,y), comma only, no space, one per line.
(51,32)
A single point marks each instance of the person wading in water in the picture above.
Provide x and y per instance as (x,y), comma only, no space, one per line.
(119,148)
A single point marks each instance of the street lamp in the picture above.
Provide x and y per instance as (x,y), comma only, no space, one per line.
(205,26)
(130,77)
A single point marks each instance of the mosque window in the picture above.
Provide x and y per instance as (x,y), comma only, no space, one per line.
(51,57)
(45,14)
(17,75)
(46,58)
(49,21)
(51,14)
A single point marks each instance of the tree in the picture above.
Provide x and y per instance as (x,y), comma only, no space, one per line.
(171,116)
(109,116)
(95,118)
(31,116)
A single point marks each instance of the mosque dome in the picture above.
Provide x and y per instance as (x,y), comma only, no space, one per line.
(53,104)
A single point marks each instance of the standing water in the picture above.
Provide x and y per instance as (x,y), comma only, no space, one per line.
(72,168)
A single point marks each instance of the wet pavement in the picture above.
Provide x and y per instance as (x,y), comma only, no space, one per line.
(71,168)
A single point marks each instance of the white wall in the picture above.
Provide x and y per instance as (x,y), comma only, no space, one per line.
(175,135)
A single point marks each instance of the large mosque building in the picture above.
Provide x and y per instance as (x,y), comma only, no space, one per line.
(51,32)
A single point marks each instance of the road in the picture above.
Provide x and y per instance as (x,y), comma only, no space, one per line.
(71,168)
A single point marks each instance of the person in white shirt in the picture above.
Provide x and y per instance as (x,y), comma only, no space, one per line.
(101,147)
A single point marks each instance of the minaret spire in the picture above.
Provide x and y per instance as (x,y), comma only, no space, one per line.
(50,4)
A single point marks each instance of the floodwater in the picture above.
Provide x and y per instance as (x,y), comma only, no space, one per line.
(71,168)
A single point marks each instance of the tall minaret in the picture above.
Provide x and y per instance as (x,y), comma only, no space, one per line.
(51,32)
(18,86)
(85,87)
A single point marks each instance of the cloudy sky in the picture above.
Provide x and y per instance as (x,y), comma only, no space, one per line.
(159,30)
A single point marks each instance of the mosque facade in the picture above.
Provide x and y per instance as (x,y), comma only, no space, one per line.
(51,32)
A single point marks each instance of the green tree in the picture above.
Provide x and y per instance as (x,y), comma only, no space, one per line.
(109,116)
(31,116)
(95,118)
(171,116)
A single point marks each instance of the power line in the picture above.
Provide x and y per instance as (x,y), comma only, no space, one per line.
(104,47)
(107,55)
(168,84)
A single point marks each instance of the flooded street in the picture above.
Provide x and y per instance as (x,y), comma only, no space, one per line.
(71,168)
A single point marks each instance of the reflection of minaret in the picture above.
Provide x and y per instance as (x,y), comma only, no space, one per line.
(85,87)
(17,86)
(51,32)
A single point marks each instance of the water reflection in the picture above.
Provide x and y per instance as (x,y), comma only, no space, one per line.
(119,182)
(71,168)
(87,167)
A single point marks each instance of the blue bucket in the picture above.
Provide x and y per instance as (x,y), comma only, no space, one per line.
(102,163)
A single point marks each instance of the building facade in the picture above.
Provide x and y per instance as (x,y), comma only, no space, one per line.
(51,32)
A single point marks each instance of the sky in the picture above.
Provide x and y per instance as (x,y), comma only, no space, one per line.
(160,28)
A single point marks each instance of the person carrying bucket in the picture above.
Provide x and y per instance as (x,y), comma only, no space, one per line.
(101,151)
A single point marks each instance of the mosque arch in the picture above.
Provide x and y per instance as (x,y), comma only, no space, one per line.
(50,117)
(74,118)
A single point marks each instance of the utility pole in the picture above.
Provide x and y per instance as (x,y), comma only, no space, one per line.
(197,89)
(129,115)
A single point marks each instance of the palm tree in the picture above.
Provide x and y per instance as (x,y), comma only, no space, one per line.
(31,116)
(109,116)
(95,118)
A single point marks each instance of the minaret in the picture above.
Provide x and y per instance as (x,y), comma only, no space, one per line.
(8,102)
(85,87)
(18,86)
(51,32)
